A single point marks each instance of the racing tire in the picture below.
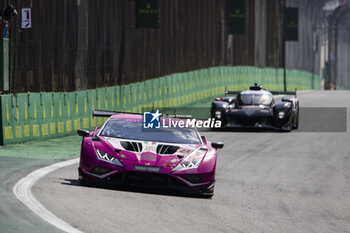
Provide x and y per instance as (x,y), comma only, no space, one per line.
(296,125)
(84,181)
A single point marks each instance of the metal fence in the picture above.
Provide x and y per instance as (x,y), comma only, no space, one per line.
(85,44)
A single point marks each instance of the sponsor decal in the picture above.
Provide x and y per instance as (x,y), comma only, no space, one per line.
(197,155)
(149,148)
(149,157)
(183,150)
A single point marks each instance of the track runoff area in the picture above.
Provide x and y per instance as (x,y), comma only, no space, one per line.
(265,182)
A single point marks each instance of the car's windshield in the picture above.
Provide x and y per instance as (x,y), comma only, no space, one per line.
(255,99)
(122,128)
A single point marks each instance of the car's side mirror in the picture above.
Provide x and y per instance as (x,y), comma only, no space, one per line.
(217,145)
(83,132)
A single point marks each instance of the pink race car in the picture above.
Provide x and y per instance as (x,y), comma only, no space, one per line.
(122,152)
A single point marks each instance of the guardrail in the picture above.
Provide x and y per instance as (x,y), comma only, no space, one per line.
(34,116)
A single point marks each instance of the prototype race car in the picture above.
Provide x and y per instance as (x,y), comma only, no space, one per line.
(122,152)
(256,108)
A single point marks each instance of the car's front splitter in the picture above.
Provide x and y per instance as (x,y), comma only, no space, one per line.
(148,180)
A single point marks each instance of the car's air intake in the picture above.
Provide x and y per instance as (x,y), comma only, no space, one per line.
(131,146)
(166,149)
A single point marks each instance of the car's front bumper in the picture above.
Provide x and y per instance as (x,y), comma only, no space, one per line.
(148,180)
(256,123)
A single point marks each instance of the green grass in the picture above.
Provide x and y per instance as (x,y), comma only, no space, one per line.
(56,148)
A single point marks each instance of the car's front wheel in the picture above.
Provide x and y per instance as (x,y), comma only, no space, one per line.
(83,181)
(296,124)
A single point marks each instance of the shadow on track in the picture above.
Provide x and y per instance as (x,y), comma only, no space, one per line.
(135,189)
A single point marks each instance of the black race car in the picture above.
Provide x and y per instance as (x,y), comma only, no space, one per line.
(256,108)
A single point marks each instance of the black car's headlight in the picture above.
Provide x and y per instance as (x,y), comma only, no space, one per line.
(281,115)
(108,158)
(218,114)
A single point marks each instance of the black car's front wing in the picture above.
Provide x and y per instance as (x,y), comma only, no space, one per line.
(252,119)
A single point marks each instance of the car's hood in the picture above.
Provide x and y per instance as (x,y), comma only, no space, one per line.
(148,153)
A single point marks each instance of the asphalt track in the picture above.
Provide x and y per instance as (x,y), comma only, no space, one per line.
(16,161)
(15,217)
(266,182)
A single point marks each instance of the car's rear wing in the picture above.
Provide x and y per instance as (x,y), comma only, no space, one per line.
(231,92)
(105,113)
(285,92)
(272,92)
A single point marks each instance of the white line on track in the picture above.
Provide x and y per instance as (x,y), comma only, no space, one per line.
(23,192)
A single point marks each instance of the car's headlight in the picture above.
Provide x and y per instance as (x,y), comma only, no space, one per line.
(193,160)
(218,114)
(108,158)
(281,115)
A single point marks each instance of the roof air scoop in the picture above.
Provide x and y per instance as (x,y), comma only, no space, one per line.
(256,87)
